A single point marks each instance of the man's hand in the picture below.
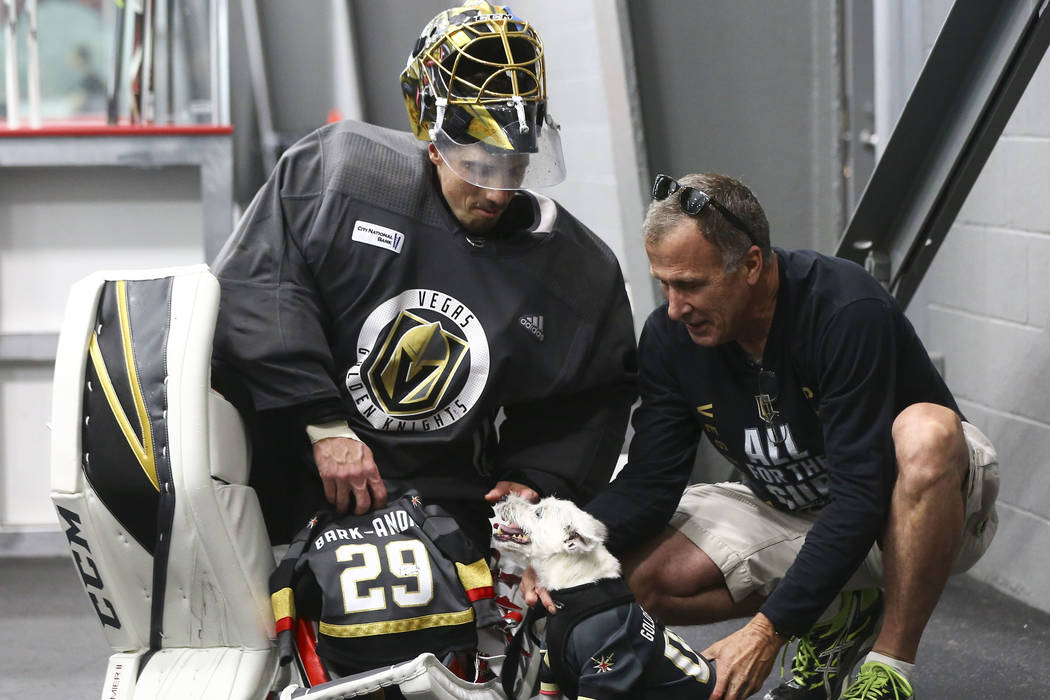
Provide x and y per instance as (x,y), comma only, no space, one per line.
(533,592)
(529,587)
(502,488)
(744,658)
(347,468)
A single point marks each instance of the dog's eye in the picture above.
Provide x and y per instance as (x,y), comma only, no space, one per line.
(539,512)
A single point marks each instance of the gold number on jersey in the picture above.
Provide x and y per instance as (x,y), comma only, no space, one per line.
(678,652)
(417,567)
(406,559)
(365,567)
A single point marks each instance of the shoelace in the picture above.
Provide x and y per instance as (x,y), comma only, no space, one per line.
(876,677)
(807,654)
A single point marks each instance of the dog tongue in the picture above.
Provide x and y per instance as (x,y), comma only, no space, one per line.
(509,530)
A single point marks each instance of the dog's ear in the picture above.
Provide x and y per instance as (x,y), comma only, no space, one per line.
(584,534)
(576,541)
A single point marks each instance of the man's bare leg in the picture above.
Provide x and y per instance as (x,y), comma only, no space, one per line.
(925,523)
(677,582)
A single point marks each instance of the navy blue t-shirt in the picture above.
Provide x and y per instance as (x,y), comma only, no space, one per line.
(840,362)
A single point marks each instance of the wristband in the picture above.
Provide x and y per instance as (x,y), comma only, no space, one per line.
(336,428)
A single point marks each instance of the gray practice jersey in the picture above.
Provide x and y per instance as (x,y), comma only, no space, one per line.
(349,290)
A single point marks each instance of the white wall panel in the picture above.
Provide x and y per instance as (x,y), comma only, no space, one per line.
(25,405)
(56,226)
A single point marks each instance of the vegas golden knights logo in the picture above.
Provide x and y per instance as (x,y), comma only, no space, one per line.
(766,411)
(414,367)
(422,362)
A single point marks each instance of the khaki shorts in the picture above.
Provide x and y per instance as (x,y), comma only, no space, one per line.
(754,544)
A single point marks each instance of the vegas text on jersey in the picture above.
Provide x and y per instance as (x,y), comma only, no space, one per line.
(422,362)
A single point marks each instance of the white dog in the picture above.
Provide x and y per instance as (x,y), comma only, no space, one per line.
(563,544)
(600,642)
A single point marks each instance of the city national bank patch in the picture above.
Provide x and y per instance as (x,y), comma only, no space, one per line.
(379,236)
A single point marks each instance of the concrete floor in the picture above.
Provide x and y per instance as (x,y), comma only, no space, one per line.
(980,643)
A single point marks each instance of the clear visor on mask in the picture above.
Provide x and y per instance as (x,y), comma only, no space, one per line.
(516,156)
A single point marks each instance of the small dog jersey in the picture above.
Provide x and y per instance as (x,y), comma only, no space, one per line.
(384,586)
(601,645)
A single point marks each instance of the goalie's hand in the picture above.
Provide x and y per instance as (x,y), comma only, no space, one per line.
(347,469)
(533,592)
(502,488)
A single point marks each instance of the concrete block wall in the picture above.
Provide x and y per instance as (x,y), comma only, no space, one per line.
(985,305)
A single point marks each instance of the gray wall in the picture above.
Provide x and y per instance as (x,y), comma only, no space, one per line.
(748,88)
(382,56)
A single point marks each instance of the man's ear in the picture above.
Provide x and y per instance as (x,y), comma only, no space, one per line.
(753,264)
(432,152)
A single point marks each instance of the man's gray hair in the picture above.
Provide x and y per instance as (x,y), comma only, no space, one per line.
(735,196)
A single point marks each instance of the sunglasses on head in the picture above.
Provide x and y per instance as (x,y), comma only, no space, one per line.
(693,201)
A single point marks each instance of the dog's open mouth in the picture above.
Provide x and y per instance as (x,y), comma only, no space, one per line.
(506,532)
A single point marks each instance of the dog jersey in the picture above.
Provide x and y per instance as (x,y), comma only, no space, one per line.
(617,650)
(384,586)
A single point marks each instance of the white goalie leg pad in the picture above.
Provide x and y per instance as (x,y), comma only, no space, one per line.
(132,407)
(121,673)
(220,673)
(422,678)
(220,557)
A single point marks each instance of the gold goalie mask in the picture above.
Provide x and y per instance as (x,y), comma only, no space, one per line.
(475,87)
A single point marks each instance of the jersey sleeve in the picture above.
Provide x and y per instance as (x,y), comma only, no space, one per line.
(548,683)
(473,571)
(283,582)
(567,443)
(857,361)
(638,504)
(271,323)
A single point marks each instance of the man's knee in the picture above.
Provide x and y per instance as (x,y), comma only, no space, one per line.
(644,581)
(650,587)
(672,566)
(642,568)
(930,446)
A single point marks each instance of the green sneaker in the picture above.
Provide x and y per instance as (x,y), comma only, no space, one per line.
(877,681)
(826,655)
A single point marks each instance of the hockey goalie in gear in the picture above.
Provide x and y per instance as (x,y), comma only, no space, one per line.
(384,587)
(601,643)
(475,86)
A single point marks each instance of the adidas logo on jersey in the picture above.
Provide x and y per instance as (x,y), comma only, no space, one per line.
(533,324)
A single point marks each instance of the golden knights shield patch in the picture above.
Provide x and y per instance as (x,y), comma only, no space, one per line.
(423,361)
(413,370)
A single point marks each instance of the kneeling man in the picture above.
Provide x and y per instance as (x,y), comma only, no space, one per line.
(863,488)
